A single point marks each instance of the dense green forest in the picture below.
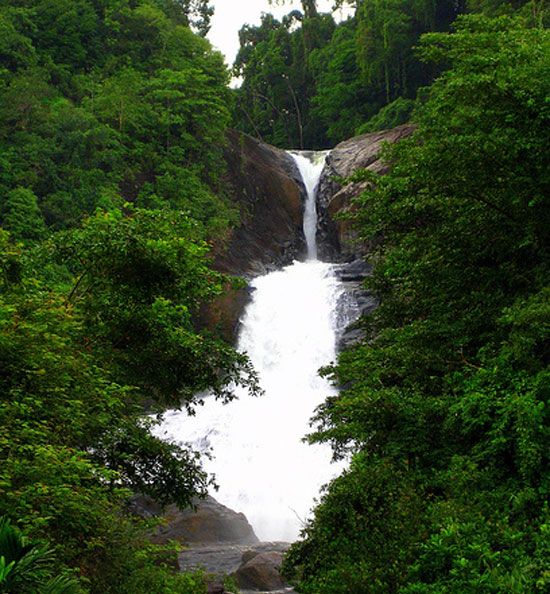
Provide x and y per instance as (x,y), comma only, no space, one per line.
(444,406)
(112,120)
(309,82)
(112,196)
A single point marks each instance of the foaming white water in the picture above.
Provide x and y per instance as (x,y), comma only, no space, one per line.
(261,464)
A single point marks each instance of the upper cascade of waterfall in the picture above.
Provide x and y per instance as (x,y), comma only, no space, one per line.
(310,165)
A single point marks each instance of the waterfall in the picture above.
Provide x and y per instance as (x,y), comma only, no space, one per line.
(262,466)
(310,164)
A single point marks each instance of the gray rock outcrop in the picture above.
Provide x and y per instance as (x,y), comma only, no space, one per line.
(266,186)
(209,522)
(260,571)
(254,567)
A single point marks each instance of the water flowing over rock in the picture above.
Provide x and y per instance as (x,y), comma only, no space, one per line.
(267,188)
(337,240)
(261,464)
(295,317)
(310,164)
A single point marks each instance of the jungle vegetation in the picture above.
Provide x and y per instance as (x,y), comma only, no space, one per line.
(113,116)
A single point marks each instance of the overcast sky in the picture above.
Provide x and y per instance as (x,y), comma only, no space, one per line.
(231,15)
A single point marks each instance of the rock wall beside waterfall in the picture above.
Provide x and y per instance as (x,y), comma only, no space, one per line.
(268,190)
(266,186)
(337,240)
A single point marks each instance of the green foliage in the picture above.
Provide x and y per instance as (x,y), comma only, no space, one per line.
(273,101)
(112,128)
(106,99)
(394,114)
(24,567)
(450,387)
(139,281)
(21,215)
(72,435)
(361,537)
(310,82)
(341,98)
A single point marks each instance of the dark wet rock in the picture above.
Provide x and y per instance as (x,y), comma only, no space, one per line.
(354,302)
(144,506)
(222,315)
(358,270)
(215,586)
(248,555)
(337,239)
(210,522)
(266,186)
(354,332)
(262,572)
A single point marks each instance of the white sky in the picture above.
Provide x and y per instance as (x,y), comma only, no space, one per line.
(231,15)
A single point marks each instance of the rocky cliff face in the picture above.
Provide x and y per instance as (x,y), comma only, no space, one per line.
(337,241)
(268,190)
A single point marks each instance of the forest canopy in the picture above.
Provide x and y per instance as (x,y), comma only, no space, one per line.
(311,82)
(443,407)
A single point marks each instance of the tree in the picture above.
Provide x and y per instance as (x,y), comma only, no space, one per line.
(273,102)
(22,216)
(139,281)
(73,440)
(106,105)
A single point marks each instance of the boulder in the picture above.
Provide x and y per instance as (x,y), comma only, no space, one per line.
(220,559)
(210,522)
(261,572)
(266,186)
(337,240)
(357,270)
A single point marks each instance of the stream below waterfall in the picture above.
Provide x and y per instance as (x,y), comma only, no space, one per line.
(262,466)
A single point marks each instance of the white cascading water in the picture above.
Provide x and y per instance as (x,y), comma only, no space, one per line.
(262,466)
(310,169)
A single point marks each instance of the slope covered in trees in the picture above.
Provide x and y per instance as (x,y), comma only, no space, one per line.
(112,124)
(309,82)
(106,102)
(443,410)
